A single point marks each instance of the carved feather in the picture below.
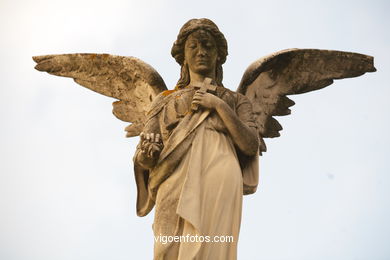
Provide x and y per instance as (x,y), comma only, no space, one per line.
(128,79)
(269,80)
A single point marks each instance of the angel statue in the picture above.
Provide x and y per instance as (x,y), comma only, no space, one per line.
(200,142)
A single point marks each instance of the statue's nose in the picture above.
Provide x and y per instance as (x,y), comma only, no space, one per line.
(202,51)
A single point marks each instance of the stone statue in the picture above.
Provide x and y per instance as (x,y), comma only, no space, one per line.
(200,142)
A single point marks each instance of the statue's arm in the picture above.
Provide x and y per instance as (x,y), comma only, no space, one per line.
(239,124)
(244,135)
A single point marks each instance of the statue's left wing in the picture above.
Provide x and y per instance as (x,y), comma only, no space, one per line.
(130,80)
(269,80)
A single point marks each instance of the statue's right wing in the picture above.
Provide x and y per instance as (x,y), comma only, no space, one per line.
(130,80)
(268,81)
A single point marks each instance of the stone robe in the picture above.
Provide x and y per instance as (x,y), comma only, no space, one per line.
(200,177)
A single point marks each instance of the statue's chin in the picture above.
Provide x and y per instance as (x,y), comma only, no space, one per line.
(203,70)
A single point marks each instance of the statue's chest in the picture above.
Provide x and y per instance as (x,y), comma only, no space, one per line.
(179,105)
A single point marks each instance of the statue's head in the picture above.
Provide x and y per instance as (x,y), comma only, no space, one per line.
(206,33)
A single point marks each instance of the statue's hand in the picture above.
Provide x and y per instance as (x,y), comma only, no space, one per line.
(150,148)
(151,144)
(205,100)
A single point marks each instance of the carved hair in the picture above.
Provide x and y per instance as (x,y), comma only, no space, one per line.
(178,48)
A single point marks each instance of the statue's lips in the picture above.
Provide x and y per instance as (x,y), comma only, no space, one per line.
(202,62)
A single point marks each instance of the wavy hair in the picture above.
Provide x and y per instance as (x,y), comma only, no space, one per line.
(178,48)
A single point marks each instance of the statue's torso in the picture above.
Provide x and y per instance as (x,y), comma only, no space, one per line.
(177,105)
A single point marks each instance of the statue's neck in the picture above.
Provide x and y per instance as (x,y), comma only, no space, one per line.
(196,77)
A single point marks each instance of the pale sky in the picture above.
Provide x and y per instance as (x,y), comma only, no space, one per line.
(67,189)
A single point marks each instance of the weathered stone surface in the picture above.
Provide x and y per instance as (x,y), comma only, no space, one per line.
(269,80)
(128,79)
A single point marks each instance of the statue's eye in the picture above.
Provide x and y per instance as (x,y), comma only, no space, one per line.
(209,45)
(192,46)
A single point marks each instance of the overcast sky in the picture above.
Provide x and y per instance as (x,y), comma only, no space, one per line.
(67,190)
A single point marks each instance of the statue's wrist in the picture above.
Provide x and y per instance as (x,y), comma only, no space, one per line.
(144,161)
(221,105)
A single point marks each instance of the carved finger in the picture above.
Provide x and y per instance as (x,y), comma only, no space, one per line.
(197,98)
(142,148)
(157,138)
(148,137)
(150,154)
(145,145)
(152,151)
(198,95)
(151,137)
(142,136)
(195,105)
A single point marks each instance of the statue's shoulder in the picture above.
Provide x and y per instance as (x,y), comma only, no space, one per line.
(163,98)
(238,97)
(229,96)
(225,92)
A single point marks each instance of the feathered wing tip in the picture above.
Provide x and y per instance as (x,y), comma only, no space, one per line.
(269,80)
(128,79)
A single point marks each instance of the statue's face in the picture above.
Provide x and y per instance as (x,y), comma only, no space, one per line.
(200,52)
